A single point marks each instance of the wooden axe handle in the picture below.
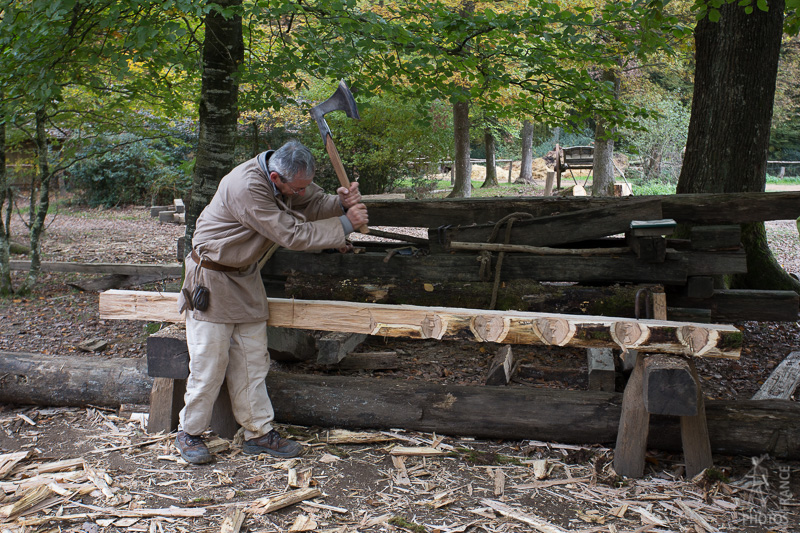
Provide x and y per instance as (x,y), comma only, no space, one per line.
(333,153)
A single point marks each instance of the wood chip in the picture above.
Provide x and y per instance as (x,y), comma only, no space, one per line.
(273,503)
(299,479)
(534,521)
(31,498)
(342,436)
(417,451)
(499,482)
(303,523)
(9,460)
(540,468)
(695,517)
(402,474)
(551,483)
(340,510)
(233,521)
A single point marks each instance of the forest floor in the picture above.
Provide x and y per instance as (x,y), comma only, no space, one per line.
(124,479)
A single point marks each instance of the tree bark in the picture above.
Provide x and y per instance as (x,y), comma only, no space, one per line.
(526,165)
(603,163)
(223,53)
(38,214)
(734,91)
(462,188)
(5,216)
(491,160)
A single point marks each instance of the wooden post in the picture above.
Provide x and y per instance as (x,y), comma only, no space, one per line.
(694,435)
(548,184)
(634,426)
(166,402)
(510,167)
(501,367)
(602,375)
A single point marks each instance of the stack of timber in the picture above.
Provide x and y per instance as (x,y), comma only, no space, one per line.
(552,254)
(170,214)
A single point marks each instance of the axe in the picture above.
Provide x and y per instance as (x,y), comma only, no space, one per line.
(342,100)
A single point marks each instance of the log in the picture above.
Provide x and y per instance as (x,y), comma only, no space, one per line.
(72,381)
(535,250)
(731,305)
(745,427)
(720,208)
(716,237)
(613,300)
(170,270)
(447,323)
(565,228)
(465,267)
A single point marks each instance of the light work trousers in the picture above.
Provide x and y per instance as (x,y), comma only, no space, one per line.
(238,353)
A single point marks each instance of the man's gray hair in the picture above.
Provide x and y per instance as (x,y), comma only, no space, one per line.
(293,161)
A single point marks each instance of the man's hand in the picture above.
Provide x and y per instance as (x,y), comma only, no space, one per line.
(349,197)
(357,215)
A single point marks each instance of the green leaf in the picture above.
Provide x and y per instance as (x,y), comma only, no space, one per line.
(713,15)
(762,5)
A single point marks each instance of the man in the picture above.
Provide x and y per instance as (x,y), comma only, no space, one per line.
(266,201)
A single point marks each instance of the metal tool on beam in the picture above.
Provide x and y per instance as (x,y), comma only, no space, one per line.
(342,100)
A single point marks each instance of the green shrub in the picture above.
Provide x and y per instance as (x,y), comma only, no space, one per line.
(126,169)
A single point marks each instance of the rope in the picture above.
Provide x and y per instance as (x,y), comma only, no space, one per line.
(508,221)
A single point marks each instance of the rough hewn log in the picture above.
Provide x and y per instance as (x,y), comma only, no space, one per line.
(744,304)
(716,237)
(722,208)
(613,300)
(749,427)
(466,266)
(447,323)
(569,227)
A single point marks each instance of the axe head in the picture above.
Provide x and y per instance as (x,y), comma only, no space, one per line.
(342,100)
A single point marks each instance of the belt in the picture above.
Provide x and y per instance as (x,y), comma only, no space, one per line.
(211,265)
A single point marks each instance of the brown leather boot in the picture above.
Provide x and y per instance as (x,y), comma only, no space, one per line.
(273,444)
(192,448)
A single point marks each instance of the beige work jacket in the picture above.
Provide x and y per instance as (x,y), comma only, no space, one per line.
(245,217)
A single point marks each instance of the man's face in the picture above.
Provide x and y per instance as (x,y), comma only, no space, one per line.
(296,187)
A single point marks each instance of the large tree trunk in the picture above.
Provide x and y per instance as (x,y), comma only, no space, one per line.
(726,149)
(40,207)
(603,164)
(5,216)
(491,159)
(223,52)
(526,165)
(462,188)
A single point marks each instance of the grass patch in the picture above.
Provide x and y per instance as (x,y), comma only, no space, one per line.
(400,521)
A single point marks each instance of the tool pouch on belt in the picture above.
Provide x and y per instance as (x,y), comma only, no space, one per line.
(200,297)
